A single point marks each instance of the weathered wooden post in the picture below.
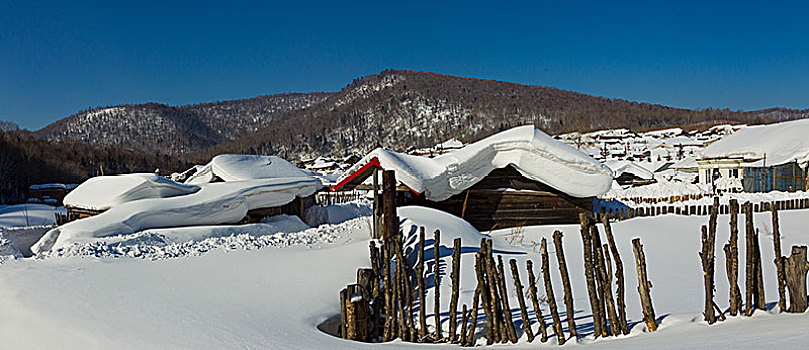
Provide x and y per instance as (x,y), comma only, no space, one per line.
(498,323)
(779,262)
(343,315)
(511,332)
(619,277)
(644,286)
(604,287)
(375,291)
(453,304)
(390,307)
(483,290)
(707,257)
(399,290)
(366,279)
(526,322)
(422,291)
(469,337)
(546,273)
(760,299)
(749,280)
(796,267)
(732,260)
(464,321)
(532,291)
(569,309)
(407,290)
(357,314)
(390,222)
(437,283)
(595,304)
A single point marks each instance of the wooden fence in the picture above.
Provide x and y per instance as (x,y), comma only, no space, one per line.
(388,300)
(339,197)
(623,212)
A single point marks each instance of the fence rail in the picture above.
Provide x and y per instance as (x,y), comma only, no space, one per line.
(621,211)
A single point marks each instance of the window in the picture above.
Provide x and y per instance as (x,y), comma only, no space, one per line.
(734,173)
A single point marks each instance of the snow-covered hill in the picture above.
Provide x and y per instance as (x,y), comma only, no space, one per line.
(395,108)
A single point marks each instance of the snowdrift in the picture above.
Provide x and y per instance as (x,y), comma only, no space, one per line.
(215,203)
(235,167)
(780,143)
(533,153)
(104,192)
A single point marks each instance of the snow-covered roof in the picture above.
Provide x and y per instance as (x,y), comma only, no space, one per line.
(683,141)
(104,192)
(623,166)
(779,143)
(685,163)
(664,132)
(533,153)
(214,203)
(234,167)
(450,144)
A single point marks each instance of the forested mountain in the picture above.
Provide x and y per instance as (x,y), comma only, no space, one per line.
(395,108)
(26,160)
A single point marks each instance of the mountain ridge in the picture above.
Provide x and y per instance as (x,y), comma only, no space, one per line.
(394,108)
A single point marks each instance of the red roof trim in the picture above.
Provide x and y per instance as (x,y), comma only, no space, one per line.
(374,162)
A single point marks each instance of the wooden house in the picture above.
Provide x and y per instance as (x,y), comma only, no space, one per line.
(518,177)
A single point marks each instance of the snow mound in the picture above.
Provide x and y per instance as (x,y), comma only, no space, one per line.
(780,143)
(104,192)
(214,203)
(335,214)
(533,153)
(8,250)
(163,244)
(235,167)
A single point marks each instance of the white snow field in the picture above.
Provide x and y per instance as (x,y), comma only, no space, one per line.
(265,290)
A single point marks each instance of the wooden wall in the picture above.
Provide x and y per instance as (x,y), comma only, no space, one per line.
(488,204)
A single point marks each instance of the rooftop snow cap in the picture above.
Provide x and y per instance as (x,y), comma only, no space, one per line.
(234,167)
(533,153)
(779,143)
(104,192)
(623,166)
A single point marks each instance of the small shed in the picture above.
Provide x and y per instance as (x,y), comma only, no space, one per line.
(518,177)
(629,173)
(52,194)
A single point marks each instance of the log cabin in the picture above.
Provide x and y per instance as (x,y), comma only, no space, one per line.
(519,177)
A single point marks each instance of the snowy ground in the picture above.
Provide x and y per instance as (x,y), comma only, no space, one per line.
(29,214)
(272,296)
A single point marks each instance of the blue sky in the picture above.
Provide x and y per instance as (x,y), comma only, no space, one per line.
(59,57)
